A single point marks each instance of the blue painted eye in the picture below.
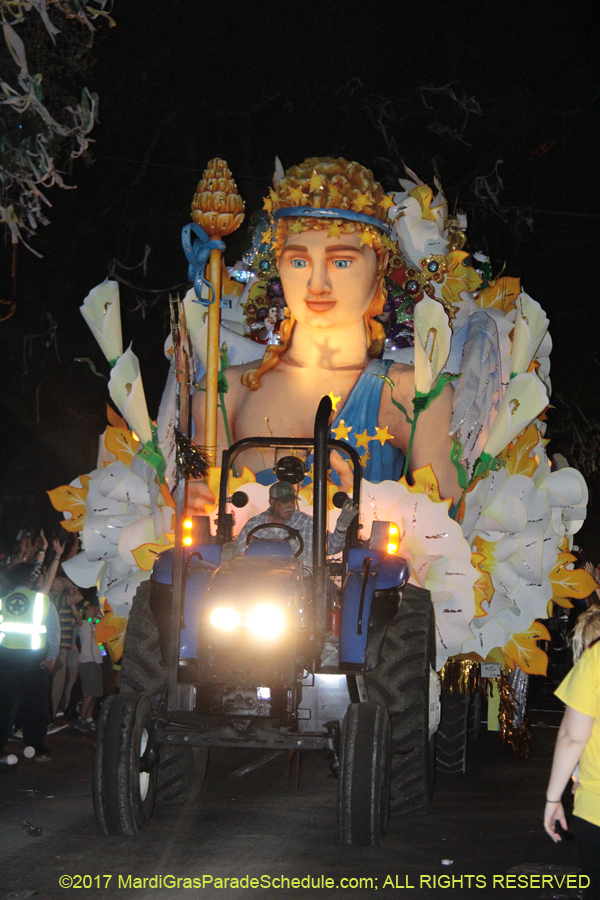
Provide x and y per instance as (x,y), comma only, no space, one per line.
(342,263)
(299,263)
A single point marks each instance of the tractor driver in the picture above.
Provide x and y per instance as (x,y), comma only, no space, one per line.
(283,511)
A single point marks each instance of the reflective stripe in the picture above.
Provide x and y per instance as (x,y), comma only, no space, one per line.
(35,629)
(16,627)
(38,615)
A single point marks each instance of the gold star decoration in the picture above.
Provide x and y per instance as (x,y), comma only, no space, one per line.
(367,238)
(266,236)
(342,431)
(386,202)
(365,459)
(296,194)
(383,435)
(362,440)
(359,202)
(273,196)
(268,204)
(334,230)
(334,400)
(316,182)
(296,228)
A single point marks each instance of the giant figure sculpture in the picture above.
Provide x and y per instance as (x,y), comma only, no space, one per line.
(331,241)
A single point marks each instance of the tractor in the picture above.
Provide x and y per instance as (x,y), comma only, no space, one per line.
(237,652)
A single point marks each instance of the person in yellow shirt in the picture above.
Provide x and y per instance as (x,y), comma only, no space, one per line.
(578,743)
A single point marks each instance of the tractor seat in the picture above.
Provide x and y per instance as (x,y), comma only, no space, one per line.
(268,548)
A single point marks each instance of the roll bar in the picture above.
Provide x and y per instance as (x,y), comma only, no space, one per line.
(285,443)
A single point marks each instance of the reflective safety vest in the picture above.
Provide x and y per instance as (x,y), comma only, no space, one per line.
(23,614)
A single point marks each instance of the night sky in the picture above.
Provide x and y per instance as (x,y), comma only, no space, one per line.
(477,90)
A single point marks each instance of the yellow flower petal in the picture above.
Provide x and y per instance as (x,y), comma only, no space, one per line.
(72,500)
(425,482)
(522,649)
(121,443)
(569,582)
(501,294)
(518,458)
(110,631)
(145,555)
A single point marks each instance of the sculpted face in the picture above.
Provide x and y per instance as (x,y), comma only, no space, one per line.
(328,282)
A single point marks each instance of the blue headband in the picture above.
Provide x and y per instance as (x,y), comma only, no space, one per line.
(311,212)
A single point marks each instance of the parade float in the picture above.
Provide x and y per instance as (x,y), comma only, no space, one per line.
(485,520)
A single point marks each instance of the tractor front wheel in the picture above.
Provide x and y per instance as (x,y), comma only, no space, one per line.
(124,785)
(364,776)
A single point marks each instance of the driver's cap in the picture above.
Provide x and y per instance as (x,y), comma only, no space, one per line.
(282,491)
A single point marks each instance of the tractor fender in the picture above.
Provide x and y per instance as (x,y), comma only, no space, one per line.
(369,602)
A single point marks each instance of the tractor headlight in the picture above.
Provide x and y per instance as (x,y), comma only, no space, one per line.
(225,618)
(266,621)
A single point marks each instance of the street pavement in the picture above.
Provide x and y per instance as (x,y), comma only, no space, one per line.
(486,823)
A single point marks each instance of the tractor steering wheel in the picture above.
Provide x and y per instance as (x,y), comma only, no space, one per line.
(291,534)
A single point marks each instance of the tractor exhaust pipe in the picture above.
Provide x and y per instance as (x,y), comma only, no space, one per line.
(320,511)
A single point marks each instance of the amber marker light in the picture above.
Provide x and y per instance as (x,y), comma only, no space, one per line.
(393,538)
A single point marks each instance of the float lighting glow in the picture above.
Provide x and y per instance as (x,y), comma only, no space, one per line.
(224,618)
(393,538)
(266,621)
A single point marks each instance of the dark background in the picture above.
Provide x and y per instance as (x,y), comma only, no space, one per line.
(473,90)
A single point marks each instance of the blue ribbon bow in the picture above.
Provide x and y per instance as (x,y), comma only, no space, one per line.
(197,253)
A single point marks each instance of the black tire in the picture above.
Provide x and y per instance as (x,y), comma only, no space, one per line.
(475,713)
(364,776)
(181,773)
(181,770)
(401,683)
(123,795)
(143,671)
(451,749)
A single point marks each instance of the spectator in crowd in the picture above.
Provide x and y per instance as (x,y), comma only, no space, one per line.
(577,751)
(63,594)
(90,662)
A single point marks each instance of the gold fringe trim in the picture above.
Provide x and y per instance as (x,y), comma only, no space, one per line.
(460,676)
(518,740)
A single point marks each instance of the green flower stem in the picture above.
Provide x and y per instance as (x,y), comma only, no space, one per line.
(227,431)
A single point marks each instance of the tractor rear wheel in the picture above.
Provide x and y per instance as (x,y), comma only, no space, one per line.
(451,749)
(364,776)
(123,791)
(401,682)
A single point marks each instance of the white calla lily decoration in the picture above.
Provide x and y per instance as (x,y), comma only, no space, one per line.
(102,311)
(433,337)
(531,326)
(524,400)
(127,391)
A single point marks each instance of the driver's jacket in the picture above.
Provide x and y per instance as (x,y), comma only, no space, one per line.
(300,522)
